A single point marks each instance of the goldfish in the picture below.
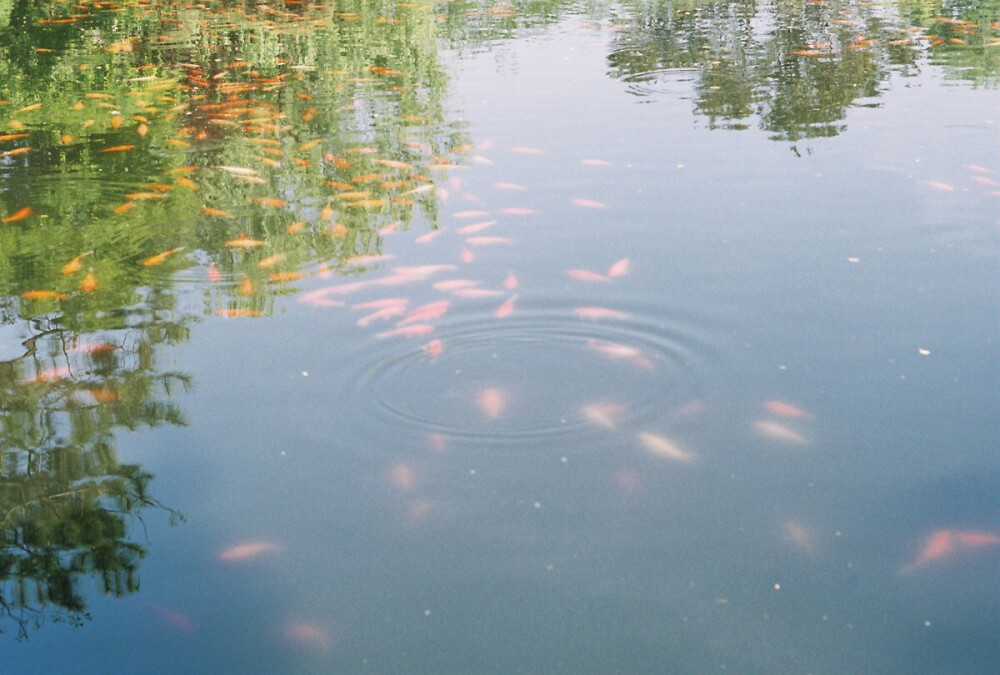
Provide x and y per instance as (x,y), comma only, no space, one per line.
(505,309)
(586,275)
(410,331)
(661,446)
(160,257)
(604,415)
(588,204)
(237,313)
(944,544)
(613,350)
(510,282)
(475,227)
(487,241)
(428,237)
(16,151)
(518,211)
(271,202)
(619,269)
(20,214)
(431,310)
(475,293)
(471,214)
(433,349)
(242,241)
(117,148)
(43,295)
(599,313)
(247,551)
(779,432)
(89,282)
(383,313)
(784,409)
(595,162)
(492,402)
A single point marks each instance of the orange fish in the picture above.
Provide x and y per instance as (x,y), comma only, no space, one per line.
(209,211)
(237,313)
(89,282)
(117,148)
(74,265)
(270,202)
(433,349)
(492,402)
(16,151)
(161,257)
(242,241)
(247,551)
(20,214)
(43,295)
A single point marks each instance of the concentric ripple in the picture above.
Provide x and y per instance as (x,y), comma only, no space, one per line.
(542,374)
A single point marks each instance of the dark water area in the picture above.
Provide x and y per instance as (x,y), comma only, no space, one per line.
(515,337)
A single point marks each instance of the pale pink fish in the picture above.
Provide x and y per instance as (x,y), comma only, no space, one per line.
(588,204)
(492,402)
(778,432)
(173,618)
(402,476)
(604,415)
(452,284)
(937,185)
(505,309)
(595,162)
(475,293)
(411,331)
(510,283)
(485,145)
(518,211)
(620,268)
(479,159)
(613,350)
(487,241)
(433,349)
(976,167)
(466,256)
(422,271)
(510,186)
(307,635)
(525,150)
(475,227)
(599,313)
(983,180)
(247,551)
(785,409)
(379,304)
(472,198)
(586,275)
(388,229)
(471,214)
(661,446)
(384,313)
(431,310)
(798,535)
(368,259)
(419,510)
(319,297)
(428,237)
(441,194)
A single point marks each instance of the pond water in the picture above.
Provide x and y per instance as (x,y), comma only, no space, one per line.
(500,337)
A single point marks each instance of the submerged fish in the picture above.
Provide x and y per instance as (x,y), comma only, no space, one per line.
(247,551)
(779,432)
(492,402)
(944,544)
(661,446)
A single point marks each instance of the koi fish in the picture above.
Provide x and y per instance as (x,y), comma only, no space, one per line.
(595,162)
(237,313)
(613,350)
(487,241)
(518,211)
(476,293)
(428,237)
(89,282)
(510,283)
(242,241)
(384,313)
(307,635)
(661,446)
(604,415)
(270,202)
(471,214)
(247,551)
(433,349)
(117,148)
(509,186)
(453,284)
(161,257)
(525,150)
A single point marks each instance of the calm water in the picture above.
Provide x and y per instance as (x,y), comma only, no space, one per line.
(379,337)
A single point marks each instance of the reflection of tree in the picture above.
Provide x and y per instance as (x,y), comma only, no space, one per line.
(795,67)
(66,501)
